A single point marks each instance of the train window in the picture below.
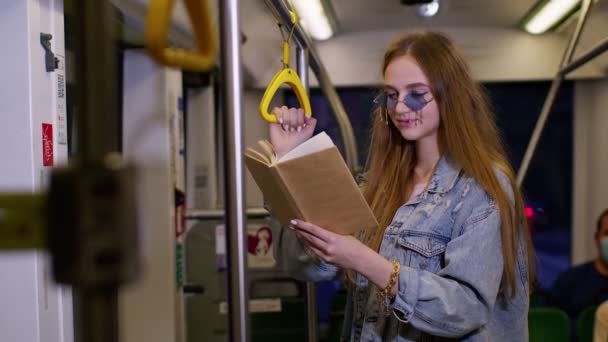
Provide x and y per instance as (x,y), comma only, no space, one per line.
(548,185)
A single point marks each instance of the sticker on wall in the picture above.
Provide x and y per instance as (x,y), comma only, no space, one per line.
(47,144)
(180,215)
(259,247)
(180,115)
(220,247)
(201,187)
(179,265)
(62,122)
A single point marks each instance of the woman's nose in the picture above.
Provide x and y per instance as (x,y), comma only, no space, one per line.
(401,107)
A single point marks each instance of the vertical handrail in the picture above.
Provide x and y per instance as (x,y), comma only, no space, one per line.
(557,81)
(97,128)
(96,307)
(346,129)
(311,293)
(232,95)
(281,11)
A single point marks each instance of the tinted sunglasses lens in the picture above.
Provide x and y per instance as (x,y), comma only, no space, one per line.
(415,102)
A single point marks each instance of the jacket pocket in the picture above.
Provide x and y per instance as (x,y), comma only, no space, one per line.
(423,251)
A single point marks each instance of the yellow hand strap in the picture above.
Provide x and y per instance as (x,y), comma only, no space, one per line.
(156,36)
(286,75)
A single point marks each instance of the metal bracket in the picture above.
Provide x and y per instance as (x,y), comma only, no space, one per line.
(51,62)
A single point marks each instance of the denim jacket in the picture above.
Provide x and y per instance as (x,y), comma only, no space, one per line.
(448,242)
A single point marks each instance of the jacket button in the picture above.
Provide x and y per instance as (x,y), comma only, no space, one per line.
(423,265)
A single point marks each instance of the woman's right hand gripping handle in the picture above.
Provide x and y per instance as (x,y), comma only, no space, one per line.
(293,128)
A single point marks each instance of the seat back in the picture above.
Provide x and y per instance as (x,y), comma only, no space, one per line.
(289,324)
(585,324)
(336,315)
(548,324)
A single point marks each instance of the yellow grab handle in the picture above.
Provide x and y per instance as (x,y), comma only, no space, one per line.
(156,36)
(289,76)
(286,75)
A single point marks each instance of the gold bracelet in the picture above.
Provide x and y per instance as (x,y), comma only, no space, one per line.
(385,294)
(391,282)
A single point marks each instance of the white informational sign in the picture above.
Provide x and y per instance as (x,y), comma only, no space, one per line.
(257,305)
(62,121)
(220,247)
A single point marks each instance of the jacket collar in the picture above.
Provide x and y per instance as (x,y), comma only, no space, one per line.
(443,180)
(445,176)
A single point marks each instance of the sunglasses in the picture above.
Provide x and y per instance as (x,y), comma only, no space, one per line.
(414,100)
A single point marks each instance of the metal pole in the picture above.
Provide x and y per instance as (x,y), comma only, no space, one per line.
(97,304)
(576,35)
(302,66)
(97,131)
(311,290)
(204,214)
(281,12)
(598,49)
(97,315)
(348,136)
(542,119)
(540,124)
(232,94)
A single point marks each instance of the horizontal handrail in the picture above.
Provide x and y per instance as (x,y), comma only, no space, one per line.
(201,214)
(595,51)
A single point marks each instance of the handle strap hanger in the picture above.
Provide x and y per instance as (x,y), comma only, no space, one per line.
(286,75)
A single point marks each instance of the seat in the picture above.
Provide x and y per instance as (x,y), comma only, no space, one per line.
(585,324)
(539,298)
(548,324)
(287,325)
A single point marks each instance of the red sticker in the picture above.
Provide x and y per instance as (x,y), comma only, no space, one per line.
(47,144)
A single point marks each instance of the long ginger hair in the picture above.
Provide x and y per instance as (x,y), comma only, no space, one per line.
(467,134)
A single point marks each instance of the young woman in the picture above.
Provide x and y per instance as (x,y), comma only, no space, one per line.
(451,257)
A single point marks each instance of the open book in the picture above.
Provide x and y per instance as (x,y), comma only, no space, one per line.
(312,183)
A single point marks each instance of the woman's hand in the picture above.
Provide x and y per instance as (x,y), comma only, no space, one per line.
(344,251)
(347,252)
(292,129)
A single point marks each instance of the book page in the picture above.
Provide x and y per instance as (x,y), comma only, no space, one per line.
(317,143)
(268,150)
(265,154)
(251,153)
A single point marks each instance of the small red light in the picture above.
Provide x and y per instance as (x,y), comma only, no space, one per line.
(529,212)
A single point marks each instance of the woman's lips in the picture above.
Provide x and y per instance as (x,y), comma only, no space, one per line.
(407,123)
